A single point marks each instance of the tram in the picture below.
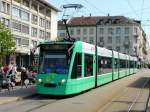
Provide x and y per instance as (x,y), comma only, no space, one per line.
(67,68)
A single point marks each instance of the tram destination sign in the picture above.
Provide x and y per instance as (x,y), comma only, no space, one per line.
(54,47)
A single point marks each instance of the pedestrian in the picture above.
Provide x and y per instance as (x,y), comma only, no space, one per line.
(24,77)
(5,69)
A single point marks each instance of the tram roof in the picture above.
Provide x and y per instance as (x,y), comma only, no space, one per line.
(55,42)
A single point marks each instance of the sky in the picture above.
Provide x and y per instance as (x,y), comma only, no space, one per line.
(136,9)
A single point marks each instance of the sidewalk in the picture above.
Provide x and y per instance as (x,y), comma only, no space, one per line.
(16,94)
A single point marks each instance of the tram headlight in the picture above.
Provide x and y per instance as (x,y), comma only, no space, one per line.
(39,80)
(63,81)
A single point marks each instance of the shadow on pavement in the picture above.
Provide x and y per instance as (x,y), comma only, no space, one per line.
(139,83)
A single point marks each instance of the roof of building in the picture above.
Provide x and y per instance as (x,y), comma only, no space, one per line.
(49,5)
(101,20)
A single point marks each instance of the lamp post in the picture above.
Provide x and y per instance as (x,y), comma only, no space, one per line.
(96,58)
(30,56)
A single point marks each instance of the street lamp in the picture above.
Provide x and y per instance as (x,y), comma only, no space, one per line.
(30,54)
(96,58)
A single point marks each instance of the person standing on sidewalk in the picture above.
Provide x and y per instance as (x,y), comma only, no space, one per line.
(24,77)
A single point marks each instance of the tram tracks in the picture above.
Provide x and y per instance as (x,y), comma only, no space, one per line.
(40,106)
(138,95)
(129,99)
(29,104)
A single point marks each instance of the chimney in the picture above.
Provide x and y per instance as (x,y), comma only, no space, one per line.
(90,14)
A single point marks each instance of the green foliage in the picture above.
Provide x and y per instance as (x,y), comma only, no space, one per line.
(7,44)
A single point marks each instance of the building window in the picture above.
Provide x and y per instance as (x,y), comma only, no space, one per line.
(34,6)
(62,35)
(110,31)
(101,42)
(77,38)
(84,31)
(3,6)
(25,15)
(109,47)
(42,9)
(84,39)
(118,30)
(34,19)
(24,42)
(91,31)
(41,34)
(18,41)
(16,26)
(25,3)
(72,32)
(118,39)
(42,22)
(48,24)
(127,30)
(126,38)
(101,39)
(16,12)
(135,39)
(34,43)
(47,36)
(91,40)
(109,40)
(48,13)
(78,31)
(25,29)
(135,30)
(34,32)
(5,22)
(101,30)
(8,9)
(118,48)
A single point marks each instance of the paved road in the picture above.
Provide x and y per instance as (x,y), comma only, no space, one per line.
(116,96)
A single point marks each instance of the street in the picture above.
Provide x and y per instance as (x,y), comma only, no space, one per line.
(127,94)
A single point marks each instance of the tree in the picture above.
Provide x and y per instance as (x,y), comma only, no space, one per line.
(7,44)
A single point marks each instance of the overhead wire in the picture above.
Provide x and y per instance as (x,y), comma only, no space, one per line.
(95,7)
(142,9)
(134,11)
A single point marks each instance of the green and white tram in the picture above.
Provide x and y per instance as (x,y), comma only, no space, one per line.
(68,68)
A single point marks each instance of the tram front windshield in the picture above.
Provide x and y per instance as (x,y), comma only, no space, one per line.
(55,58)
(54,64)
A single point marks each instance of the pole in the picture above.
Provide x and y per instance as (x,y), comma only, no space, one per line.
(96,58)
(67,30)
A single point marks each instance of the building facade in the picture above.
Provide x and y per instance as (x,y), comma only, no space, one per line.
(61,30)
(119,33)
(31,22)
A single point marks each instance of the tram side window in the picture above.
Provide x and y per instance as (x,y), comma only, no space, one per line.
(77,67)
(131,64)
(116,64)
(122,64)
(88,65)
(104,65)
